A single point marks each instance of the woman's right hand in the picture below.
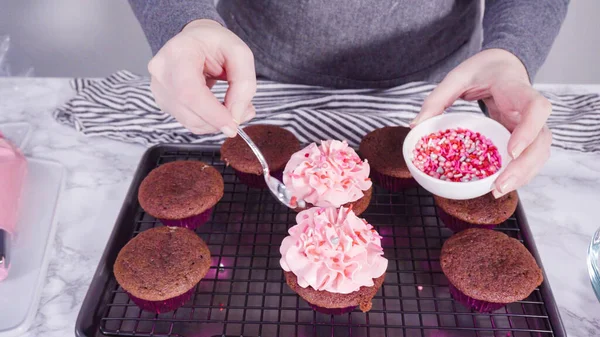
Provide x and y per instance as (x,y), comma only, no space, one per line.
(187,66)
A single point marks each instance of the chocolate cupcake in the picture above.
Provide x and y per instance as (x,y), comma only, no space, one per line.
(358,206)
(487,269)
(383,149)
(361,205)
(160,267)
(181,193)
(333,260)
(335,304)
(329,175)
(483,212)
(275,143)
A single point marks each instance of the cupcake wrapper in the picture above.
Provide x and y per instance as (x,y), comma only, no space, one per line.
(332,311)
(477,305)
(162,306)
(457,225)
(191,222)
(255,180)
(392,184)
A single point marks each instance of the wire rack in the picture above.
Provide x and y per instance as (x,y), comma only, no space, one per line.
(245,294)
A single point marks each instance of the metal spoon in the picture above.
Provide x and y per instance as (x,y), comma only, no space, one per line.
(593,262)
(483,108)
(276,187)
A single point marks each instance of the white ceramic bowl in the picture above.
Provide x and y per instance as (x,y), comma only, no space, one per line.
(488,127)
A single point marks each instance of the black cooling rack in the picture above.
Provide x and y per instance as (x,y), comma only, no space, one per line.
(244,293)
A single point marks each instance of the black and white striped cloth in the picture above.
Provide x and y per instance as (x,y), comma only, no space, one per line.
(121,107)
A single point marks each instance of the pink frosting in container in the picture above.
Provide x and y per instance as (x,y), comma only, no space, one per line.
(4,272)
(333,250)
(13,169)
(329,175)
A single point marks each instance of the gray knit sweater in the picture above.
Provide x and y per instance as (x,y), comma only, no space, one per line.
(361,43)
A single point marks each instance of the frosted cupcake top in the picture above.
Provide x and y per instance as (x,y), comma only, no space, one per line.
(329,175)
(333,250)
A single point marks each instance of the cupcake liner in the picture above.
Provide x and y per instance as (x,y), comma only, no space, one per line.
(477,305)
(255,180)
(162,306)
(191,222)
(457,225)
(332,311)
(392,184)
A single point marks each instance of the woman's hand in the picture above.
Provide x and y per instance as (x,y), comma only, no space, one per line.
(499,79)
(185,69)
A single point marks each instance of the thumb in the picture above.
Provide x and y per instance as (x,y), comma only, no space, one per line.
(443,96)
(241,76)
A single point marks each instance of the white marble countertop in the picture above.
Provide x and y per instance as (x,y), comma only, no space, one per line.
(561,206)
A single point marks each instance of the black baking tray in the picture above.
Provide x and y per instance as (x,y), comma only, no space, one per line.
(244,293)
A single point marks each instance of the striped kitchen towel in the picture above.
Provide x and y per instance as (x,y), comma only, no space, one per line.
(121,107)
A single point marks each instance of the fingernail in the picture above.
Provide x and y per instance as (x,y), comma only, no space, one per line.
(496,193)
(517,150)
(238,110)
(229,132)
(507,184)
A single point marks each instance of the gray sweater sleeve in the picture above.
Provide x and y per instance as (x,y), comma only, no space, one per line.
(161,20)
(526,28)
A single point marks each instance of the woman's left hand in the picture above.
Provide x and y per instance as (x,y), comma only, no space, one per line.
(500,79)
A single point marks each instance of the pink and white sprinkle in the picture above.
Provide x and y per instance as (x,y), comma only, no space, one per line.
(457,155)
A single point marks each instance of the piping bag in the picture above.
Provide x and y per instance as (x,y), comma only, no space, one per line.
(13,168)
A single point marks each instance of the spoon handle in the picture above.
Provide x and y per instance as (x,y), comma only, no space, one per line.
(254,149)
(483,108)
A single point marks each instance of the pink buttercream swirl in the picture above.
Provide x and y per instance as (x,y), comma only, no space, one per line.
(333,250)
(329,175)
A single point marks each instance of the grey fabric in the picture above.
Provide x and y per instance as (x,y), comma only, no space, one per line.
(525,28)
(161,20)
(353,44)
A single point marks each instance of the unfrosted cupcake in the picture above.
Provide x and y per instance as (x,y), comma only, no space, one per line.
(333,260)
(160,267)
(482,212)
(181,193)
(383,149)
(329,175)
(488,269)
(275,143)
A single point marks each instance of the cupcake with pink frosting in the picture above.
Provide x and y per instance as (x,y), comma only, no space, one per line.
(329,175)
(333,260)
